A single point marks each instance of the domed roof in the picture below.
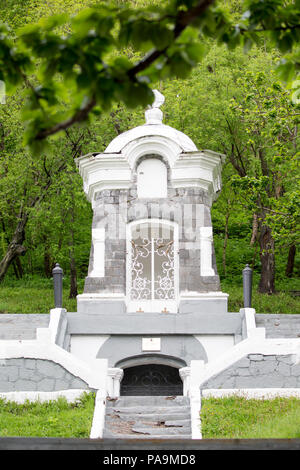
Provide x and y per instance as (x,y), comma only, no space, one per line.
(153,127)
(151,130)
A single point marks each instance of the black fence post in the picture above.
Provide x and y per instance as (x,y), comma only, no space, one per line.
(247,286)
(57,284)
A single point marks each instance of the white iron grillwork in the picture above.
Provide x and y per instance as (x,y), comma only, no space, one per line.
(152,269)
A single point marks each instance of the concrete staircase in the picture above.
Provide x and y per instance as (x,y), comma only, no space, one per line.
(148,417)
(15,326)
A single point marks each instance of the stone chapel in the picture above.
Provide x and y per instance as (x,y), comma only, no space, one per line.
(152,287)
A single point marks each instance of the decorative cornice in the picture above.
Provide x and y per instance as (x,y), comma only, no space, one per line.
(199,169)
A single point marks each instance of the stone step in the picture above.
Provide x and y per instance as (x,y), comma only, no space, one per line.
(133,401)
(160,431)
(108,435)
(178,423)
(148,417)
(156,417)
(151,410)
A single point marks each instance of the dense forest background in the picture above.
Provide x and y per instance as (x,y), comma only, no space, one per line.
(232,102)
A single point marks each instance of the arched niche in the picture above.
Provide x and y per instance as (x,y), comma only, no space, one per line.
(147,359)
(152,179)
(151,380)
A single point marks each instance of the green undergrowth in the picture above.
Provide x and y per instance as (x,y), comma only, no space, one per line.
(56,418)
(35,295)
(283,301)
(241,418)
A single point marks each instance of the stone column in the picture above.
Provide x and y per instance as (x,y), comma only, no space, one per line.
(98,240)
(114,376)
(185,373)
(206,240)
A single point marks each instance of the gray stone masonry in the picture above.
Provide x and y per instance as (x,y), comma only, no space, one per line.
(279,325)
(24,374)
(258,371)
(190,208)
(15,326)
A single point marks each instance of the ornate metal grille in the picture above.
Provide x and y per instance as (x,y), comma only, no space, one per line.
(152,269)
(152,379)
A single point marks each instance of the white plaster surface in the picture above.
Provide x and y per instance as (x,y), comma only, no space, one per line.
(20,397)
(98,236)
(255,344)
(55,317)
(85,347)
(99,416)
(151,344)
(195,398)
(152,179)
(215,345)
(206,240)
(182,140)
(93,373)
(189,167)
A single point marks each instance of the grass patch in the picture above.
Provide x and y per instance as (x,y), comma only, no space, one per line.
(34,294)
(49,419)
(281,302)
(239,418)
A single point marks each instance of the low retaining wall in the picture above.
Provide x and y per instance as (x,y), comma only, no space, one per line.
(41,365)
(36,374)
(258,371)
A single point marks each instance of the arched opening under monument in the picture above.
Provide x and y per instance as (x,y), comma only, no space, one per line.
(151,379)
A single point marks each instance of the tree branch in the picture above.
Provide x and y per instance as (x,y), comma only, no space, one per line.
(79,116)
(183,20)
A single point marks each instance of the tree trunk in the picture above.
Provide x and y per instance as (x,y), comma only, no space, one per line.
(15,270)
(290,262)
(254,255)
(19,267)
(225,243)
(73,272)
(48,265)
(254,229)
(73,278)
(267,257)
(14,249)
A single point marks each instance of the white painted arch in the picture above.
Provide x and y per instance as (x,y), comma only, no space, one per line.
(151,131)
(153,145)
(147,306)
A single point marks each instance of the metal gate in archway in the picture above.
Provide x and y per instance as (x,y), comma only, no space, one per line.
(152,267)
(151,379)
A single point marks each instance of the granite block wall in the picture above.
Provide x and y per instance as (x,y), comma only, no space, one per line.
(189,208)
(279,325)
(26,374)
(258,371)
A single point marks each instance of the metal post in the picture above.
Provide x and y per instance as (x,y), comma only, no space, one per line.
(57,284)
(247,286)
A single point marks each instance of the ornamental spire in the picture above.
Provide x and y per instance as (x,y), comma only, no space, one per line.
(153,114)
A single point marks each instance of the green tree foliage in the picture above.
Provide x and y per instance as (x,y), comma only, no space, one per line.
(96,66)
(75,65)
(228,104)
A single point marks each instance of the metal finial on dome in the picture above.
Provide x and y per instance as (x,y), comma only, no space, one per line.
(159,99)
(153,114)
